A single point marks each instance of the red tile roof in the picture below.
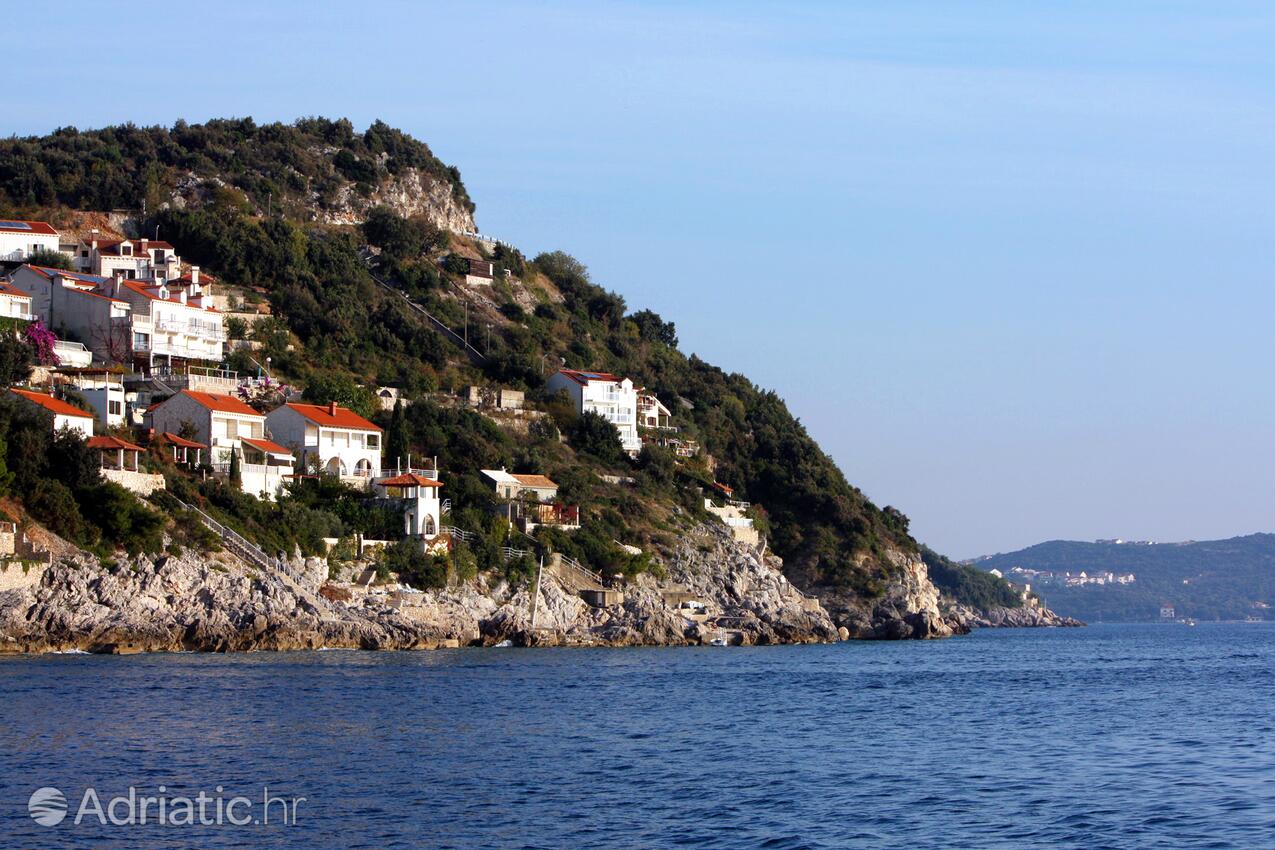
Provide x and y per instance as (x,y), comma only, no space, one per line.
(536,481)
(267,446)
(114,443)
(409,479)
(41,227)
(10,289)
(51,404)
(218,402)
(583,378)
(333,416)
(170,437)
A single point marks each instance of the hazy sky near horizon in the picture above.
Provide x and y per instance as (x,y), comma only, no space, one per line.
(1009,262)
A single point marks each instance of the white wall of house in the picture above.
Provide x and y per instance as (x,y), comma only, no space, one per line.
(14,306)
(351,453)
(108,401)
(67,309)
(81,424)
(17,246)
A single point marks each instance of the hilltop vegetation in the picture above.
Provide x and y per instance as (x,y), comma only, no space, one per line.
(295,169)
(1214,579)
(335,326)
(969,585)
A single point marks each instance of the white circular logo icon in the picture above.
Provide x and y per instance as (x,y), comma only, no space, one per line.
(47,806)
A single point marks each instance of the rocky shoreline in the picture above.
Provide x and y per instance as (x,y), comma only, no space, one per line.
(713,590)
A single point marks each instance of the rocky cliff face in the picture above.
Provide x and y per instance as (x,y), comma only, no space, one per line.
(215,603)
(410,193)
(909,608)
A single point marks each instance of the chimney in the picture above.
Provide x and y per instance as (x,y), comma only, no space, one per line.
(332,408)
(181,295)
(93,239)
(194,275)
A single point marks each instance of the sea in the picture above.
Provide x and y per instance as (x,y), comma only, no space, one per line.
(1111,736)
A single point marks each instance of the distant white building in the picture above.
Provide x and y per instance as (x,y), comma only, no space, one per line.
(331,439)
(64,415)
(20,239)
(134,259)
(511,485)
(610,396)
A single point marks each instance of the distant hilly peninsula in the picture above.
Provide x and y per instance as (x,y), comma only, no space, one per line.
(1230,579)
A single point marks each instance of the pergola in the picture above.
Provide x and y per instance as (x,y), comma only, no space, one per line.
(118,449)
(182,447)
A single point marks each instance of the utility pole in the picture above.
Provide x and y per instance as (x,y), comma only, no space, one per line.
(467,323)
(488,351)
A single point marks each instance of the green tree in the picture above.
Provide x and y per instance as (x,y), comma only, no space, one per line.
(16,358)
(50,259)
(397,445)
(236,474)
(592,433)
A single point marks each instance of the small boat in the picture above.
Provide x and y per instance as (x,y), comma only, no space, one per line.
(719,639)
(504,644)
(1188,622)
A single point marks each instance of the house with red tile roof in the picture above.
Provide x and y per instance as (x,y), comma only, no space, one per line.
(418,494)
(140,323)
(330,439)
(228,427)
(135,259)
(20,239)
(121,463)
(63,415)
(610,396)
(14,303)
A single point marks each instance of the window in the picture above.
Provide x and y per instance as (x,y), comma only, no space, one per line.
(232,429)
(85,253)
(373,441)
(126,251)
(159,255)
(115,408)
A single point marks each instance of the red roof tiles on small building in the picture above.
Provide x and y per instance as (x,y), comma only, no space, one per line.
(51,404)
(409,479)
(333,416)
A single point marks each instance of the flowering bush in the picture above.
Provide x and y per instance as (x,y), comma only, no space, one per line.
(41,340)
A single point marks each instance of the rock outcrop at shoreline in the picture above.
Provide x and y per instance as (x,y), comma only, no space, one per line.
(1009,618)
(216,603)
(908,608)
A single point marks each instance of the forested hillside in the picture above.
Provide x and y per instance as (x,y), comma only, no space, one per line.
(340,333)
(1214,579)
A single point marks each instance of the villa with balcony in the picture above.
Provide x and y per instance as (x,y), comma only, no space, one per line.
(228,427)
(143,324)
(330,439)
(132,259)
(610,396)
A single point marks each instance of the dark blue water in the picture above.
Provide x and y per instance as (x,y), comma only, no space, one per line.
(1112,736)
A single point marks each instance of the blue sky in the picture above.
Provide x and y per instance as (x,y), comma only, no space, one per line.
(1009,262)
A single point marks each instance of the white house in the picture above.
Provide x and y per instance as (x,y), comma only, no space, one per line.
(64,415)
(135,259)
(510,485)
(103,390)
(14,303)
(139,323)
(651,412)
(20,239)
(228,427)
(419,497)
(612,397)
(330,439)
(75,305)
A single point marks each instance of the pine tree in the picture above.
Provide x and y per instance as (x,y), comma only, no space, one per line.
(396,443)
(236,474)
